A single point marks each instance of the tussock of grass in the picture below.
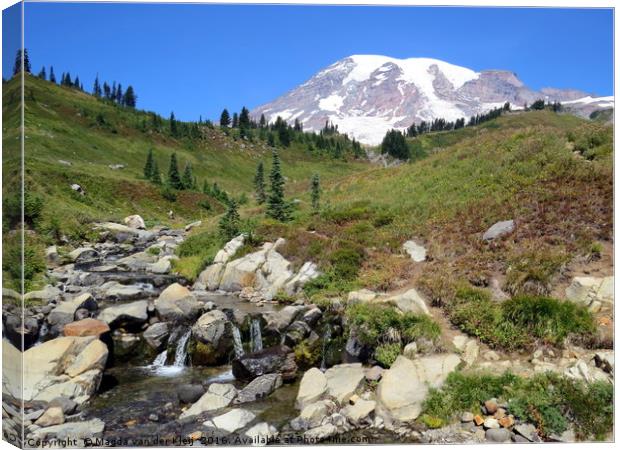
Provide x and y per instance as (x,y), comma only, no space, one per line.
(386,329)
(520,322)
(549,401)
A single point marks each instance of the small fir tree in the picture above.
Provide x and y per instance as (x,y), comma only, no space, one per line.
(276,206)
(225,119)
(315,191)
(259,184)
(174,178)
(148,166)
(230,223)
(188,178)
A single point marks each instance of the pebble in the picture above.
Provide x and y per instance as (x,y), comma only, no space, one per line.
(467,417)
(491,406)
(478,420)
(153,418)
(490,422)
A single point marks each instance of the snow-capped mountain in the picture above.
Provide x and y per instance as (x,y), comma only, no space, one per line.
(366,95)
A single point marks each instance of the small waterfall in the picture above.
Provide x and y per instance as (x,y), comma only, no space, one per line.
(256,337)
(160,361)
(42,333)
(180,355)
(238,343)
(327,335)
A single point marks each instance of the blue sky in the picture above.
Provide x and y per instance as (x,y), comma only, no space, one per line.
(198,59)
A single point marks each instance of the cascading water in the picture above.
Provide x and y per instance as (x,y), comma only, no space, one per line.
(327,335)
(237,341)
(43,331)
(256,337)
(180,355)
(160,360)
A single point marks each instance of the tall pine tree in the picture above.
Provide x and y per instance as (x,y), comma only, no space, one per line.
(148,166)
(156,175)
(187,179)
(315,191)
(97,87)
(230,223)
(276,205)
(173,124)
(225,119)
(130,98)
(174,178)
(259,184)
(52,75)
(42,74)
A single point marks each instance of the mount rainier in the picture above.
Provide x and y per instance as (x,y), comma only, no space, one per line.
(367,95)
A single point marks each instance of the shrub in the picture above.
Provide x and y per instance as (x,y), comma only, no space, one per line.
(169,194)
(548,319)
(549,401)
(386,354)
(517,322)
(375,324)
(346,262)
(348,213)
(34,262)
(154,251)
(531,272)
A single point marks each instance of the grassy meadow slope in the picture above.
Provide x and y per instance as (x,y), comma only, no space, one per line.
(551,173)
(73,137)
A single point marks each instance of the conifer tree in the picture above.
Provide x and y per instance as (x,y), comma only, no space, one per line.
(206,188)
(21,62)
(188,179)
(174,178)
(148,166)
(395,145)
(156,175)
(173,124)
(259,184)
(225,119)
(106,90)
(276,206)
(230,223)
(42,74)
(129,99)
(119,94)
(52,75)
(97,87)
(76,83)
(235,120)
(263,121)
(315,191)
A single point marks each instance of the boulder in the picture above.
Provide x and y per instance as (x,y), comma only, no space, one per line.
(403,388)
(127,314)
(82,255)
(309,271)
(214,331)
(64,313)
(262,433)
(415,251)
(52,416)
(68,406)
(274,273)
(134,221)
(241,272)
(46,295)
(320,433)
(591,290)
(229,250)
(498,435)
(279,359)
(218,396)
(312,415)
(156,335)
(93,357)
(190,393)
(137,262)
(162,266)
(410,301)
(51,256)
(259,388)
(88,429)
(176,302)
(359,411)
(313,385)
(117,292)
(189,226)
(361,296)
(277,321)
(344,380)
(66,366)
(211,276)
(86,327)
(233,420)
(374,373)
(499,229)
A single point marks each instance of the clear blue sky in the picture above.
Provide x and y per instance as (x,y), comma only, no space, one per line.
(198,59)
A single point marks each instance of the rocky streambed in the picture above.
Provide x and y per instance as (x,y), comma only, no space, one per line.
(120,351)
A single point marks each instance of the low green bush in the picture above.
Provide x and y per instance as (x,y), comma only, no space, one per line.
(519,322)
(386,354)
(549,401)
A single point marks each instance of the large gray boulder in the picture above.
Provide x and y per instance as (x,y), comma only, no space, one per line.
(404,387)
(415,251)
(232,420)
(344,380)
(259,388)
(176,302)
(129,313)
(63,367)
(156,335)
(64,313)
(410,301)
(218,396)
(117,292)
(312,387)
(134,221)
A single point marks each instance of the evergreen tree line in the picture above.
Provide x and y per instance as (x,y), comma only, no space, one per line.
(174,179)
(540,104)
(281,134)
